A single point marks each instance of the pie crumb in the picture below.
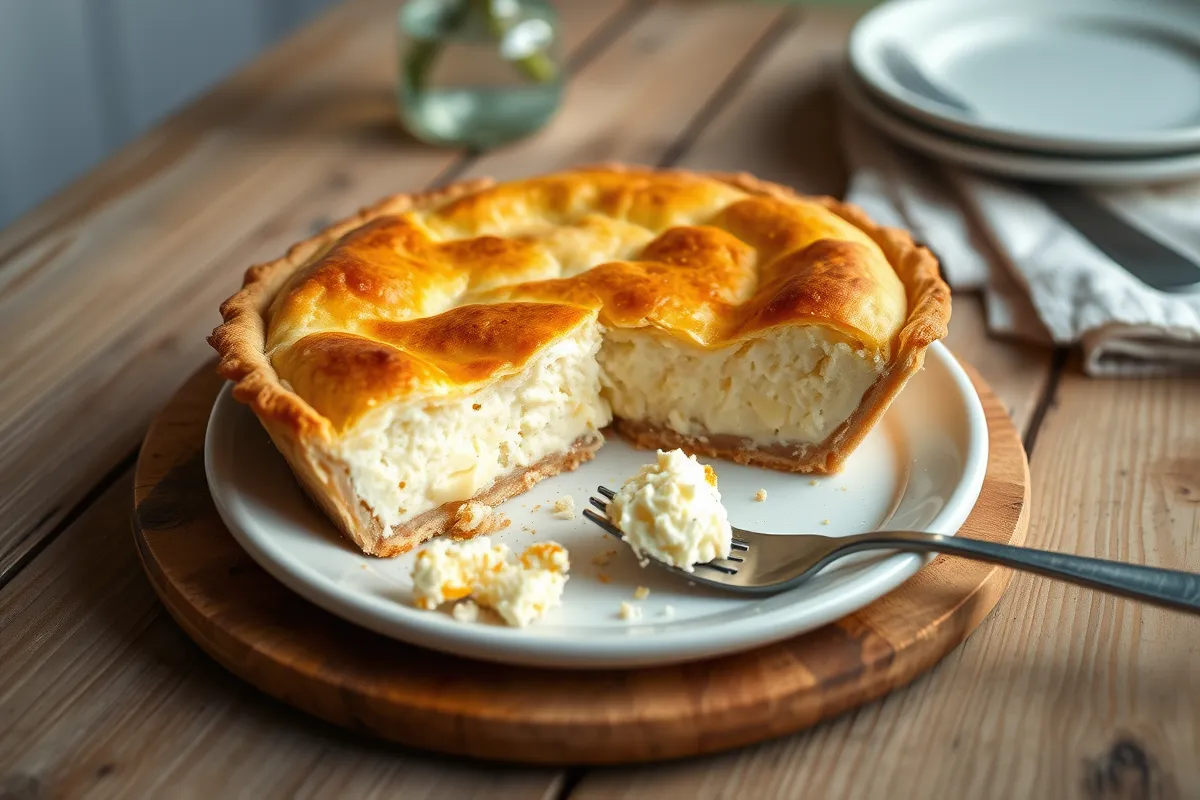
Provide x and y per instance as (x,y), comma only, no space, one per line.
(813,482)
(476,519)
(538,507)
(843,489)
(602,559)
(760,495)
(629,612)
(668,611)
(466,611)
(564,507)
(641,593)
(824,522)
(471,516)
(600,576)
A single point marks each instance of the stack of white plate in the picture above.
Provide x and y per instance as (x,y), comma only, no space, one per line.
(1080,91)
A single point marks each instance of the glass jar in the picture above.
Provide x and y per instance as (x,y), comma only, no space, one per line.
(478,73)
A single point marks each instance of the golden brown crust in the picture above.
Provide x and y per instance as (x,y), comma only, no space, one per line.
(709,260)
(345,315)
(241,339)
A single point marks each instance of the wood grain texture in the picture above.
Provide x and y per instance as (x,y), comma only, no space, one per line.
(306,134)
(1064,692)
(781,123)
(103,696)
(639,97)
(308,658)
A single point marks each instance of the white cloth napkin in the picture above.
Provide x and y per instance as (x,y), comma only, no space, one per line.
(1041,280)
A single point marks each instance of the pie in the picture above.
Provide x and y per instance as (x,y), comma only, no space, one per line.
(459,345)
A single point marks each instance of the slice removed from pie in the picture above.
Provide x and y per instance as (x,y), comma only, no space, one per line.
(458,346)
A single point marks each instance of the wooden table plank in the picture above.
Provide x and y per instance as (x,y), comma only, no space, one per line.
(105,305)
(1064,692)
(101,694)
(635,102)
(92,695)
(782,123)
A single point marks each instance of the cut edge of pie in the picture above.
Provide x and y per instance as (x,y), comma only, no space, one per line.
(307,438)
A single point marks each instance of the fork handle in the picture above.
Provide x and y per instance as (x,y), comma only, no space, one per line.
(1164,587)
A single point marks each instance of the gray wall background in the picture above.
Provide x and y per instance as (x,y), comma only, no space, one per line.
(79,78)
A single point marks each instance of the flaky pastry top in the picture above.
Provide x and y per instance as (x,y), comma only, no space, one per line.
(431,296)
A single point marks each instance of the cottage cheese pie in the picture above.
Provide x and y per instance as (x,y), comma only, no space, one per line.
(457,346)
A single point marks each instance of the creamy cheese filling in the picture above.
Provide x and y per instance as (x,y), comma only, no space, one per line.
(793,385)
(407,458)
(671,511)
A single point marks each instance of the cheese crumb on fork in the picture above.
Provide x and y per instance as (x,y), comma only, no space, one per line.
(671,511)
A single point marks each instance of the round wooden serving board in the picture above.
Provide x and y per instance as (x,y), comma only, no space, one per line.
(315,661)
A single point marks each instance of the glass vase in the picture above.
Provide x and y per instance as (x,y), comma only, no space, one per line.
(478,73)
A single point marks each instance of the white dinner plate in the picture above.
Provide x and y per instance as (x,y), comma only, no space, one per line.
(1087,77)
(921,468)
(1016,163)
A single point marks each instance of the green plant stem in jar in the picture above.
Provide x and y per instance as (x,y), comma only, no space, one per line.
(535,66)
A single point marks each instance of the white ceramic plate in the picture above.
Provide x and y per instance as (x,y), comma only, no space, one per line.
(1017,163)
(921,468)
(1087,77)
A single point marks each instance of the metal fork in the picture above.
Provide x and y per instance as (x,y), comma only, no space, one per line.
(761,563)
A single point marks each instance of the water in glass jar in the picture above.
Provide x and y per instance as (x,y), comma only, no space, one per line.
(477,73)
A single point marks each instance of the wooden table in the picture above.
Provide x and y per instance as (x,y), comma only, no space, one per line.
(107,292)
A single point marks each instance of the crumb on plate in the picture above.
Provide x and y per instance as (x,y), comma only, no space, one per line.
(824,522)
(813,482)
(641,593)
(564,507)
(466,611)
(668,611)
(760,495)
(629,612)
(602,559)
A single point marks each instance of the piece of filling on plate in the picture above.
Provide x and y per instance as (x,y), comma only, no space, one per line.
(671,511)
(478,573)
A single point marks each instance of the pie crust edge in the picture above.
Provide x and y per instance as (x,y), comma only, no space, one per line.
(299,431)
